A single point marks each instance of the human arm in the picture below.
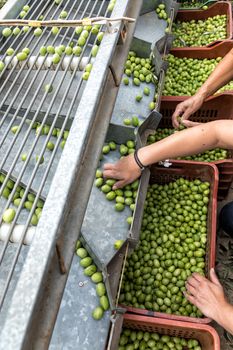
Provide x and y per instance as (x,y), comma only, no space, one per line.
(208,296)
(221,75)
(183,143)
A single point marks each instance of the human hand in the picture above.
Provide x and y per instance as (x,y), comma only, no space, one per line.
(189,123)
(208,296)
(125,170)
(186,108)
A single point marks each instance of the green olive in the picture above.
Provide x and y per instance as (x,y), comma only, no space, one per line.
(21,56)
(138,98)
(41,160)
(68,50)
(38,32)
(48,88)
(16,31)
(2,66)
(94,50)
(43,50)
(8,215)
(10,51)
(100,36)
(22,14)
(63,14)
(81,41)
(26,50)
(50,145)
(55,30)
(51,49)
(26,8)
(24,157)
(6,32)
(56,58)
(85,75)
(25,29)
(77,50)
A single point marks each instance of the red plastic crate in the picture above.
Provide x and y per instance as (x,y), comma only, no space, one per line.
(219,8)
(215,108)
(190,170)
(206,335)
(218,50)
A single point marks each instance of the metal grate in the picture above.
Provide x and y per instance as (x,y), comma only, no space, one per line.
(25,102)
(43,269)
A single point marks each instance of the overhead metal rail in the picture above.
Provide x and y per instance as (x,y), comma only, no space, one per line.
(81,108)
(66,23)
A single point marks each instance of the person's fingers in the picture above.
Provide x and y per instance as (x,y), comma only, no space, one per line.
(193,282)
(187,113)
(190,298)
(192,290)
(199,277)
(109,166)
(119,184)
(178,111)
(214,278)
(189,124)
(112,173)
(175,122)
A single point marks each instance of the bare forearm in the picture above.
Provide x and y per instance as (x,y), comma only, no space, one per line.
(190,141)
(221,75)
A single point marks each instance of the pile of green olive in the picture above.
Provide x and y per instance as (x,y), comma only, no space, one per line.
(208,156)
(186,75)
(200,32)
(131,339)
(139,69)
(90,270)
(122,197)
(161,11)
(172,246)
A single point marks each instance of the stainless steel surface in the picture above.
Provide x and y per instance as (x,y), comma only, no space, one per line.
(39,298)
(150,28)
(132,108)
(75,327)
(103,225)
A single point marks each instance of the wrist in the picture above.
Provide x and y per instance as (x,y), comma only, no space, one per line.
(203,93)
(222,313)
(138,161)
(142,155)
